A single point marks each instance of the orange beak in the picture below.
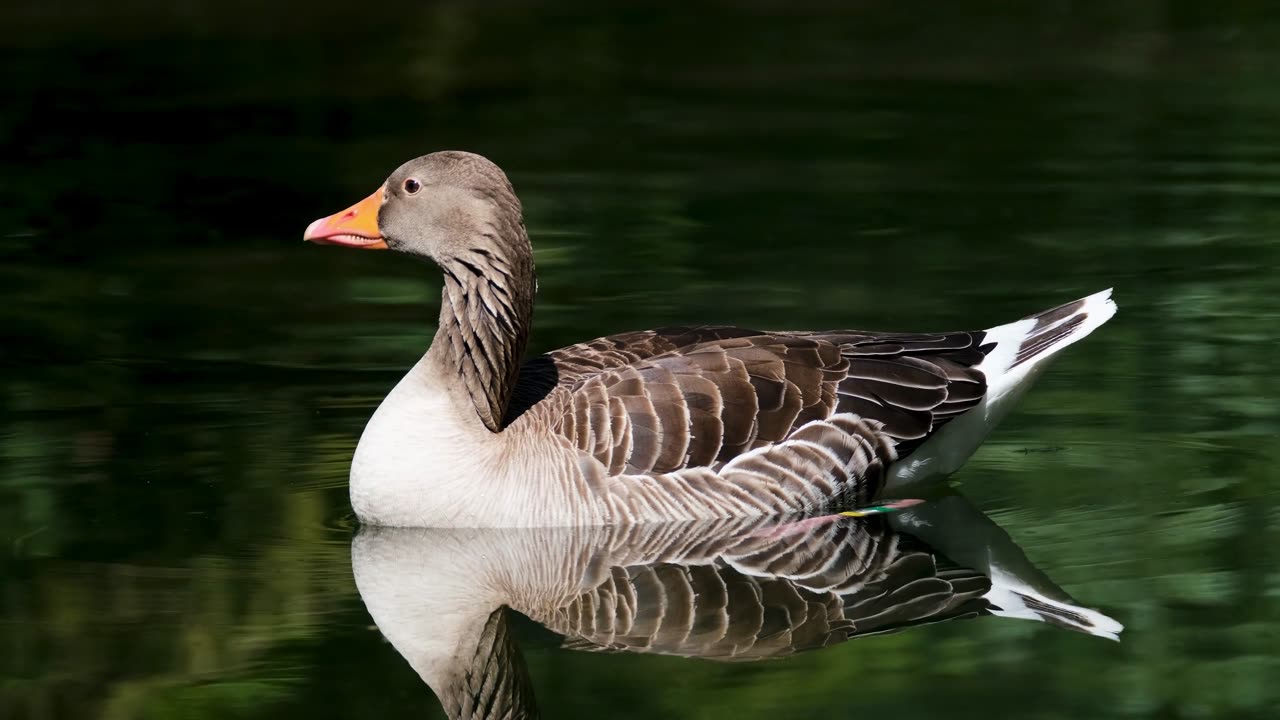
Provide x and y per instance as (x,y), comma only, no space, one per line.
(356,227)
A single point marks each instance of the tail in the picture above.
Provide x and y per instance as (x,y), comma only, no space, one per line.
(1014,355)
(1022,349)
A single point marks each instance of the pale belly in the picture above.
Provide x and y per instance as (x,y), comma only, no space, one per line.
(422,461)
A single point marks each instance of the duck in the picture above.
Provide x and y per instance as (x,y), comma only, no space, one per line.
(736,589)
(669,424)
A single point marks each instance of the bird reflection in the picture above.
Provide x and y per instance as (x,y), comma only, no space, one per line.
(743,589)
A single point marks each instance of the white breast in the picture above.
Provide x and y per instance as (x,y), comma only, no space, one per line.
(413,453)
(426,460)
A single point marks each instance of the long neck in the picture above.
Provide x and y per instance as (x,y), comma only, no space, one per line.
(485,312)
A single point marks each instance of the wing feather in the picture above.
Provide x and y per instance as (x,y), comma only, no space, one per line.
(664,400)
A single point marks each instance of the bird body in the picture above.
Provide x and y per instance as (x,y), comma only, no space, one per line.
(659,425)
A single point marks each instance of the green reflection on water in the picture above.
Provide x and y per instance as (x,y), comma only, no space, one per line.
(185,380)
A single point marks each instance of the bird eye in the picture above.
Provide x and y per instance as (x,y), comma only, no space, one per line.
(412,186)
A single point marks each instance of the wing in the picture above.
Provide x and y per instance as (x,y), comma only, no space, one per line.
(664,400)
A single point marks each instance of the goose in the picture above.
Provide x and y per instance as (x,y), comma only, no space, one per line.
(736,589)
(677,423)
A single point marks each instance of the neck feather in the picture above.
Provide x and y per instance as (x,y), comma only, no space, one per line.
(485,312)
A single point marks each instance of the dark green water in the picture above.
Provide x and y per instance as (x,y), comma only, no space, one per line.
(184,380)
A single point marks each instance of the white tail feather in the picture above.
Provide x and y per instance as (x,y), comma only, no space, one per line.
(1005,374)
(1022,350)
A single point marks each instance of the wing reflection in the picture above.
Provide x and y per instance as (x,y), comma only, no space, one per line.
(742,589)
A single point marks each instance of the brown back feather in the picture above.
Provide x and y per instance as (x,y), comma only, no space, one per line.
(663,400)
